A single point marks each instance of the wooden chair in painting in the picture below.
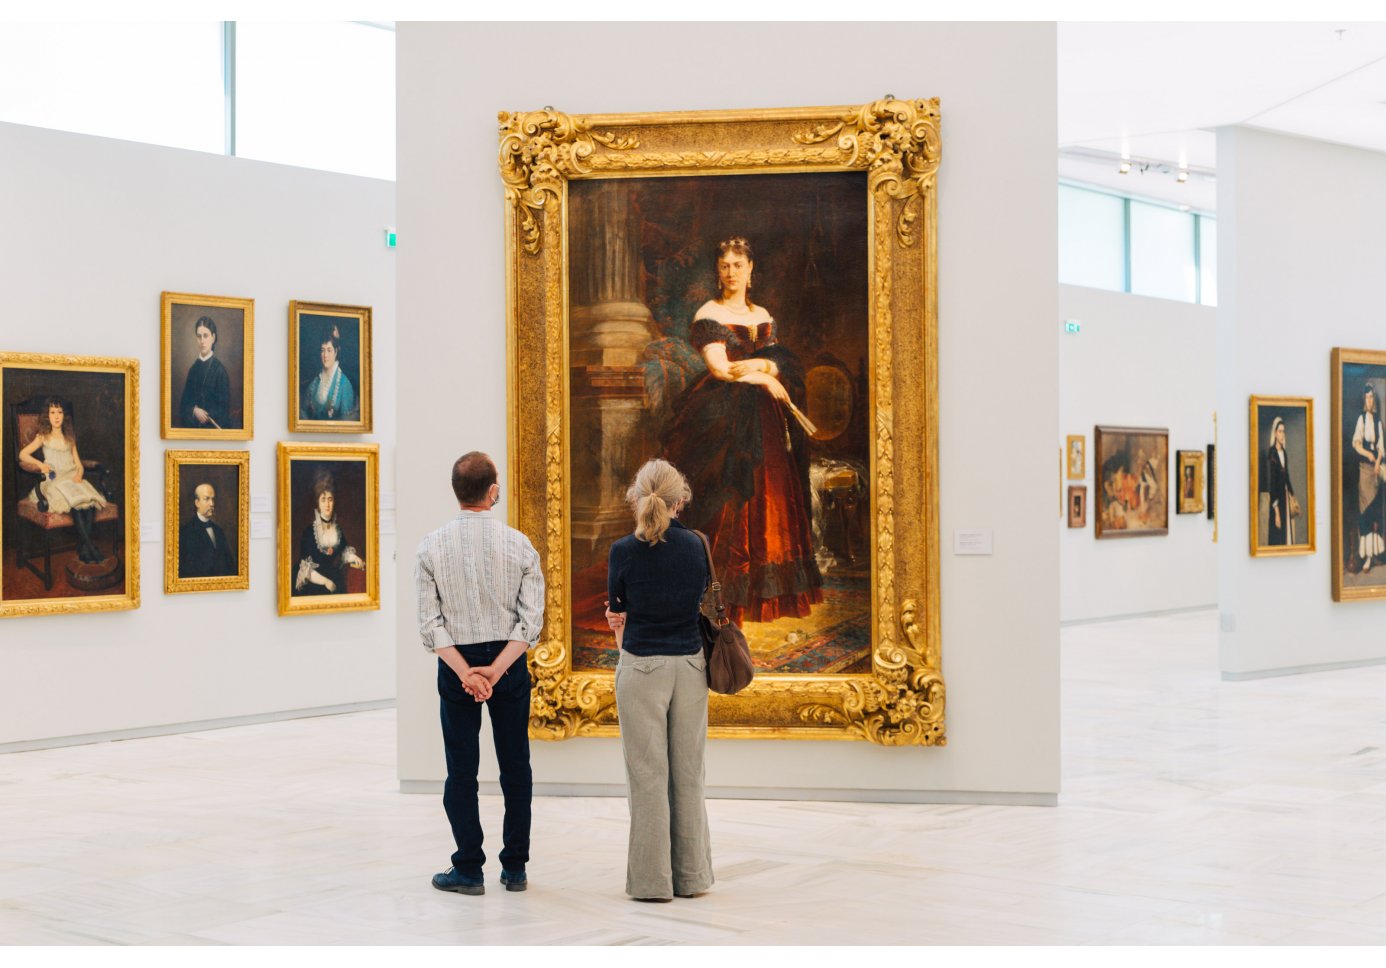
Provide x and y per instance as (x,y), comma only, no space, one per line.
(39,532)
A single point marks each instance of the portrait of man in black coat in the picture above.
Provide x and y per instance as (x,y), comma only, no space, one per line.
(203,550)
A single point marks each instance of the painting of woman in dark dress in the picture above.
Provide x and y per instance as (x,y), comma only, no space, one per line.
(1282,470)
(723,324)
(736,437)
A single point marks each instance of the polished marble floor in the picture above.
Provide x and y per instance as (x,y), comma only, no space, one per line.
(1193,811)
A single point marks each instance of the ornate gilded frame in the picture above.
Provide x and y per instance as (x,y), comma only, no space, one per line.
(174,510)
(1256,453)
(896,143)
(166,429)
(290,604)
(364,392)
(1342,592)
(130,598)
(1194,459)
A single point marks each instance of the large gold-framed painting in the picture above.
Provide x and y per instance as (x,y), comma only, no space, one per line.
(69,528)
(750,295)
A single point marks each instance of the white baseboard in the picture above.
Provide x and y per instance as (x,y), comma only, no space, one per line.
(1128,615)
(170,729)
(1301,670)
(987,798)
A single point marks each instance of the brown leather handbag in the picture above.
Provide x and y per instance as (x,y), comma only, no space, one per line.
(729,666)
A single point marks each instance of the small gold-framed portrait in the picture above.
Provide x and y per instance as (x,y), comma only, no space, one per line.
(206,379)
(206,520)
(1189,475)
(69,527)
(1077,457)
(1282,476)
(329,532)
(1077,505)
(329,368)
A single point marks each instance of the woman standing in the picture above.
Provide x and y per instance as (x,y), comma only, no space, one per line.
(1367,443)
(324,554)
(655,581)
(1281,527)
(63,486)
(736,434)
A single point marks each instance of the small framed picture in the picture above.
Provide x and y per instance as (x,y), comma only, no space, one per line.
(329,537)
(1132,486)
(1189,474)
(329,368)
(1076,451)
(1282,476)
(206,521)
(1077,505)
(206,380)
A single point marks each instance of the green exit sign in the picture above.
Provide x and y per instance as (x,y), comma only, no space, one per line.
(391,239)
(1072,326)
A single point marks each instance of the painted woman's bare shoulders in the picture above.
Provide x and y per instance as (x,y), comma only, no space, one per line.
(719,313)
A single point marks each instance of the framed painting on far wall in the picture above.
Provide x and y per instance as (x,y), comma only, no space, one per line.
(1077,505)
(329,537)
(1357,454)
(1282,476)
(69,484)
(329,368)
(1189,476)
(206,377)
(1076,450)
(206,520)
(1132,485)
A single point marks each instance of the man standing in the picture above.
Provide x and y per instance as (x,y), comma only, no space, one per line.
(481,606)
(203,551)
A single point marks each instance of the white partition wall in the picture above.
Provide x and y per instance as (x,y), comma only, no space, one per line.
(1300,251)
(94,230)
(997,353)
(1136,362)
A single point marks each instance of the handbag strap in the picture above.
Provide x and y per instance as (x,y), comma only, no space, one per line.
(713,585)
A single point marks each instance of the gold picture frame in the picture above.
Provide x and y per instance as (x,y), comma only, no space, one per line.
(233,322)
(87,386)
(1355,576)
(218,565)
(1130,488)
(346,407)
(1075,452)
(1275,534)
(353,474)
(893,146)
(1189,481)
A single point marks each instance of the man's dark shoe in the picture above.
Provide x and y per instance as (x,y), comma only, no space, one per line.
(450,880)
(514,880)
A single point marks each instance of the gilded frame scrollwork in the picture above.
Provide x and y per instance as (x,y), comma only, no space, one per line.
(896,143)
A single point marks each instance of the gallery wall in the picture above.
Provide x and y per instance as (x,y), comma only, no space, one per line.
(997,296)
(1300,250)
(95,229)
(1136,361)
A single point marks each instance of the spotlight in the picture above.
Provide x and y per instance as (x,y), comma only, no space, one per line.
(1183,175)
(1125,168)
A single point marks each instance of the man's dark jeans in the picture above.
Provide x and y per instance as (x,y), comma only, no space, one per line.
(461,716)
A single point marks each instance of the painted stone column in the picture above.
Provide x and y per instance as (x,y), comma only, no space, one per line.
(610,328)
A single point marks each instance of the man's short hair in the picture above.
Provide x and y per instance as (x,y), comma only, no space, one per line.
(472,476)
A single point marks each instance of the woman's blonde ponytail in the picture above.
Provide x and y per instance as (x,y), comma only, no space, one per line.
(657,491)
